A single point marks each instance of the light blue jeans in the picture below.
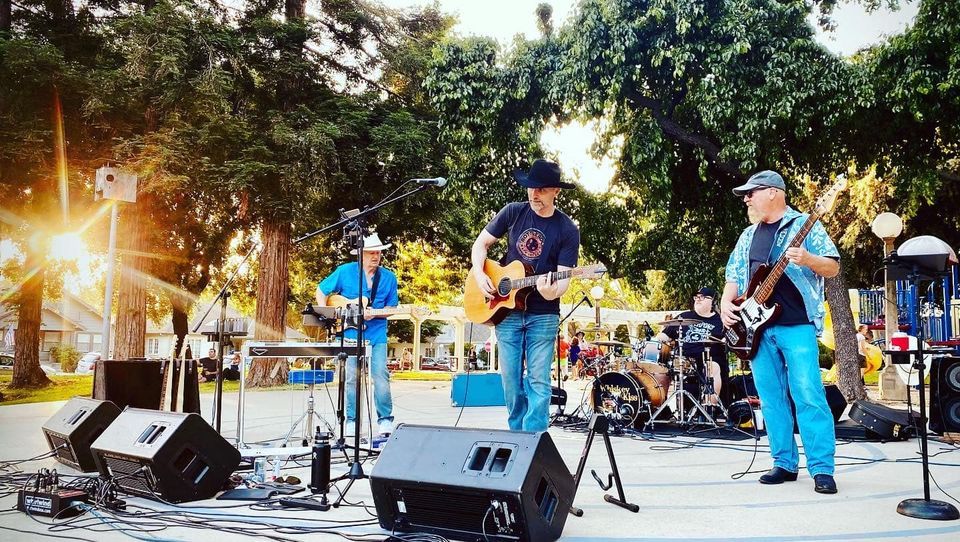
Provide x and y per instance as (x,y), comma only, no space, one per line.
(529,337)
(787,361)
(381,384)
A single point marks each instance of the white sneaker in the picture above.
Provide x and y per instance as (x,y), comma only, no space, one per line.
(349,428)
(385,427)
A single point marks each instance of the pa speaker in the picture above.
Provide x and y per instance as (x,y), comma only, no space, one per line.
(128,382)
(945,395)
(172,456)
(72,430)
(472,484)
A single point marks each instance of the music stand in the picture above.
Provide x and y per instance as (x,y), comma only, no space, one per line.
(922,258)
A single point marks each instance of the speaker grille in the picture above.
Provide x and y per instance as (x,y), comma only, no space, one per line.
(456,510)
(128,475)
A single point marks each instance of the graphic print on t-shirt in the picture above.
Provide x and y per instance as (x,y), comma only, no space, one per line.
(530,243)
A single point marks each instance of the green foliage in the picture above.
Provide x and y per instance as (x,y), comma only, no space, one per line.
(67,356)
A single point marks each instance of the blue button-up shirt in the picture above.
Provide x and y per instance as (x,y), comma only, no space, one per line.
(344,281)
(807,282)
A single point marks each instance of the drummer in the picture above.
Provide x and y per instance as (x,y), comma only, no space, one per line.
(708,328)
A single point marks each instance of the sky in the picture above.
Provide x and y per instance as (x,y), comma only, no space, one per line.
(503,19)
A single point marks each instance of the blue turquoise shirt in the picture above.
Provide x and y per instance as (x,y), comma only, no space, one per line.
(344,280)
(807,282)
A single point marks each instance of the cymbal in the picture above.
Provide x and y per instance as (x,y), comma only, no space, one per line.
(608,343)
(709,340)
(595,329)
(679,322)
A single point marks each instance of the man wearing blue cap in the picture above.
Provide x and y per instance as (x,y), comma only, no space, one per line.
(786,364)
(544,238)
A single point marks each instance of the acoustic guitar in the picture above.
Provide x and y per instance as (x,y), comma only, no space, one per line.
(514,282)
(755,314)
(350,308)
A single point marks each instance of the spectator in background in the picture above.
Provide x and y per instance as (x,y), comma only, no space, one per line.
(233,371)
(208,365)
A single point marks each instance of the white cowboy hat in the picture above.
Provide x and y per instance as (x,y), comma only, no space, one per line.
(372,243)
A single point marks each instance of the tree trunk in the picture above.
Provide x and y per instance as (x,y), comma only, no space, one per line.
(181,326)
(5,15)
(845,338)
(131,328)
(26,366)
(272,287)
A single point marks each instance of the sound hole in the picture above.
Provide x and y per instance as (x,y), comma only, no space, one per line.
(503,288)
(480,456)
(500,460)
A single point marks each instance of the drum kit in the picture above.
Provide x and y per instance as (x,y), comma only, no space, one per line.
(657,384)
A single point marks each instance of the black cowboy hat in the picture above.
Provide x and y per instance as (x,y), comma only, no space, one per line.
(542,174)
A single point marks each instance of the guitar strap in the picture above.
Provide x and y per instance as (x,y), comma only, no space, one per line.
(373,287)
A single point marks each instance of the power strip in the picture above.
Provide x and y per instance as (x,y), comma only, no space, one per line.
(301,502)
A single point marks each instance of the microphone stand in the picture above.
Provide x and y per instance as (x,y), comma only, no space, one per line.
(559,358)
(222,297)
(925,508)
(354,226)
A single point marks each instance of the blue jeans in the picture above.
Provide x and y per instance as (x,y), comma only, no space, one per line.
(381,384)
(529,337)
(787,361)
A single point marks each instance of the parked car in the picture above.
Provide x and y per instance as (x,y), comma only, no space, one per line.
(6,362)
(433,364)
(86,363)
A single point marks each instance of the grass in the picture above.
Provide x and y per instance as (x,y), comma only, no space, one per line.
(63,388)
(66,386)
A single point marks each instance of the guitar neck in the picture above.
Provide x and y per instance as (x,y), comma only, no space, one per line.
(526,282)
(765,290)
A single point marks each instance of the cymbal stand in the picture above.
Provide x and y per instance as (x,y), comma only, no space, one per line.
(600,424)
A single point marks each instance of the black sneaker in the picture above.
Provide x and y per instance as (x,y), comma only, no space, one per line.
(776,475)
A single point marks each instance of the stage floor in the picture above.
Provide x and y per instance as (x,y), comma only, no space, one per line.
(687,487)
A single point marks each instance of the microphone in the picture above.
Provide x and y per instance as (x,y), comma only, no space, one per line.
(439,182)
(647,329)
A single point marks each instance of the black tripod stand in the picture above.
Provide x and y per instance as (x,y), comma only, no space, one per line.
(600,424)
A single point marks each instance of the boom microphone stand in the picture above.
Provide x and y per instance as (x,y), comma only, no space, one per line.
(354,226)
(583,300)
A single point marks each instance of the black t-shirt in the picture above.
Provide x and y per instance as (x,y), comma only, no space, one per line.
(785,292)
(542,243)
(710,326)
(209,364)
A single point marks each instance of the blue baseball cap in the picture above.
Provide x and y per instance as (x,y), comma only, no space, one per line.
(762,179)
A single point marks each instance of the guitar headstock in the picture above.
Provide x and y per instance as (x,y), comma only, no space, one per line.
(826,201)
(593,271)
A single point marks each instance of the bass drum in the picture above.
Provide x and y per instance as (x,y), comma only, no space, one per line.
(631,396)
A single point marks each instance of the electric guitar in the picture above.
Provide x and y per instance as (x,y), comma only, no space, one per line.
(514,282)
(755,314)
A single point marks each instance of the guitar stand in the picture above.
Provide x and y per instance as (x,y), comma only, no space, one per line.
(600,424)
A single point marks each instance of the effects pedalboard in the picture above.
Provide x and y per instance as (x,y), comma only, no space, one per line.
(47,498)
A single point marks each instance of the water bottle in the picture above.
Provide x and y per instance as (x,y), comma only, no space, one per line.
(320,464)
(259,470)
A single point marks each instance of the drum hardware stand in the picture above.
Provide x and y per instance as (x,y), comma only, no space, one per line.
(600,424)
(679,392)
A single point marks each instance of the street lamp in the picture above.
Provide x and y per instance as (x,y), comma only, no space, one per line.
(887,226)
(597,294)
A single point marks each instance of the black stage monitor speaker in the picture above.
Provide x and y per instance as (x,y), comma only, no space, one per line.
(128,382)
(472,484)
(174,456)
(945,395)
(884,422)
(72,430)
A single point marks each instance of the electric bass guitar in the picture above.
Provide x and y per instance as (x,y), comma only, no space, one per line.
(514,282)
(743,338)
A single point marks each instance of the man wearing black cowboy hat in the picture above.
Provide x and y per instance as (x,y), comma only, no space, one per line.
(539,235)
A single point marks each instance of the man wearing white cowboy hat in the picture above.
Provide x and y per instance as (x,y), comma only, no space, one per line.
(539,235)
(380,287)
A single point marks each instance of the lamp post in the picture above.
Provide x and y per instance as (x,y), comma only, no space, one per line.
(888,226)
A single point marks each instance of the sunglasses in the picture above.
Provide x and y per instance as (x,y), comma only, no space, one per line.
(750,194)
(699,297)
